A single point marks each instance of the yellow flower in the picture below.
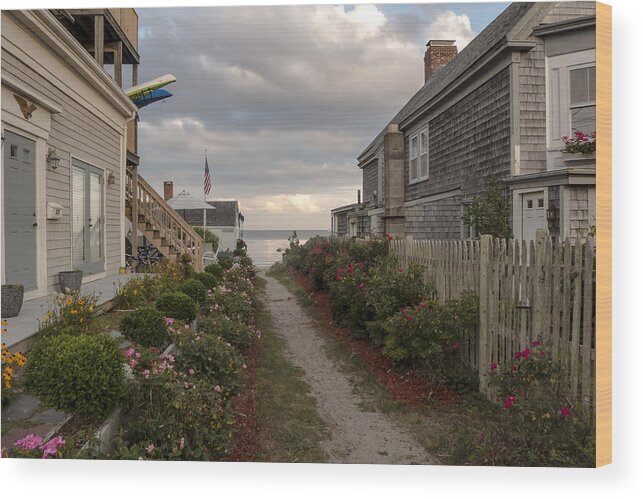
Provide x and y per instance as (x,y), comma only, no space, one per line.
(91,308)
(4,322)
(74,311)
(81,302)
(69,301)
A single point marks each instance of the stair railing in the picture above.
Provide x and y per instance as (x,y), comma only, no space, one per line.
(172,227)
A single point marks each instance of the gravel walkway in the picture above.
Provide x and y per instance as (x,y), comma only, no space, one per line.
(357,436)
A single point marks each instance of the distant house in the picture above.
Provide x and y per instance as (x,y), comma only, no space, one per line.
(225,220)
(68,135)
(498,109)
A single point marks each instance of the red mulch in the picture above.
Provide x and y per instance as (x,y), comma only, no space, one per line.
(407,387)
(245,438)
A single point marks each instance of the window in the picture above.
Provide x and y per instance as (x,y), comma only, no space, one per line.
(419,156)
(582,99)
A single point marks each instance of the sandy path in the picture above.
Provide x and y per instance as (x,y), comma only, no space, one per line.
(357,436)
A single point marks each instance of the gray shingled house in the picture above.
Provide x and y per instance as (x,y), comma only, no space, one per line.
(498,109)
(224,221)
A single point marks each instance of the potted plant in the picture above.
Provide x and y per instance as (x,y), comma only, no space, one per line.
(70,280)
(580,148)
(12,295)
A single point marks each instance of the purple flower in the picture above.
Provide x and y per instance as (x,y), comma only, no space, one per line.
(51,448)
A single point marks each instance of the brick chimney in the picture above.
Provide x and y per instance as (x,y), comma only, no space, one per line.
(438,53)
(168,190)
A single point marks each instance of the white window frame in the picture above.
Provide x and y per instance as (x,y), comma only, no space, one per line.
(419,153)
(558,96)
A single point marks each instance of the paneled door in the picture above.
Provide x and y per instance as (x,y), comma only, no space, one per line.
(533,214)
(20,221)
(88,252)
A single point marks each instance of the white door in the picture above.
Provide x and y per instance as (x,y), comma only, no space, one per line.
(533,214)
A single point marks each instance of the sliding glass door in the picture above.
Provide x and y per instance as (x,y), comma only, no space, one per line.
(88,253)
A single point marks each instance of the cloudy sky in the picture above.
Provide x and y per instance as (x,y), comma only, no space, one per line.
(283,98)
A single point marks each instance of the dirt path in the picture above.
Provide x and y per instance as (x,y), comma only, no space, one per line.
(357,436)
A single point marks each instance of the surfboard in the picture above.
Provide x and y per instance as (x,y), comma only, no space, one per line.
(136,91)
(150,97)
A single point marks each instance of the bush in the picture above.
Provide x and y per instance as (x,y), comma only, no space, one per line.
(195,289)
(79,374)
(137,292)
(211,357)
(238,334)
(72,314)
(225,262)
(207,279)
(177,305)
(232,303)
(171,416)
(145,326)
(215,269)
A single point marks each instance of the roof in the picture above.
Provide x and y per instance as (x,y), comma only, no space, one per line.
(224,214)
(186,201)
(489,38)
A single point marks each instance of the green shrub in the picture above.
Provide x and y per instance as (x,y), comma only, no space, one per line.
(236,305)
(215,269)
(136,292)
(210,357)
(169,420)
(195,289)
(208,279)
(237,333)
(146,327)
(225,262)
(79,374)
(177,305)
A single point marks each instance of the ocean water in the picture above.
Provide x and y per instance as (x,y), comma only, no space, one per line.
(263,245)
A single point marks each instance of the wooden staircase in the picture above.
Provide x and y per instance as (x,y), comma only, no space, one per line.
(158,222)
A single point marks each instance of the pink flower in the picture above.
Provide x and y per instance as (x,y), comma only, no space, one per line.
(51,447)
(182,443)
(494,365)
(132,363)
(138,355)
(565,411)
(168,320)
(191,371)
(146,374)
(423,305)
(130,352)
(455,345)
(186,385)
(535,343)
(29,442)
(403,310)
(217,389)
(525,353)
(409,318)
(361,285)
(149,448)
(514,367)
(509,402)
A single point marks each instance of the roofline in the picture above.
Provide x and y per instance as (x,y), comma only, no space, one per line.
(563,26)
(346,207)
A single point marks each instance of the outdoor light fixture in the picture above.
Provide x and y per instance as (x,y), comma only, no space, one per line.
(52,158)
(111,179)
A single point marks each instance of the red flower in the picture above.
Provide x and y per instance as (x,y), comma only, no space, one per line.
(514,367)
(517,355)
(403,309)
(361,285)
(455,345)
(525,353)
(565,411)
(535,343)
(389,237)
(494,365)
(509,402)
(423,305)
(409,318)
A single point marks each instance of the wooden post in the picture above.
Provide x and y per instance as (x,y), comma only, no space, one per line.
(134,75)
(486,242)
(99,38)
(539,315)
(118,63)
(135,211)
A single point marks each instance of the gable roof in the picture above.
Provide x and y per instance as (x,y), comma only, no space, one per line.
(225,214)
(495,34)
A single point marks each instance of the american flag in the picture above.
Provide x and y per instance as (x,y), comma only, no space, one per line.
(207,181)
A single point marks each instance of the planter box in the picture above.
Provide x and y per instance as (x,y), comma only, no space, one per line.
(579,159)
(70,280)
(12,296)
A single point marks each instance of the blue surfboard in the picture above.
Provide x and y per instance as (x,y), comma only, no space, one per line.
(151,96)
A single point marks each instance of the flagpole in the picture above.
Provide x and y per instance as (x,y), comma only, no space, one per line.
(204,200)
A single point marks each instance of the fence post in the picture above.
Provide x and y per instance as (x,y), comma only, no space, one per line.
(537,307)
(486,242)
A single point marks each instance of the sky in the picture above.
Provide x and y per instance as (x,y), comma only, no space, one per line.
(284,98)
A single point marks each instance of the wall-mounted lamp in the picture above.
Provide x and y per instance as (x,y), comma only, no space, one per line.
(552,214)
(52,158)
(111,179)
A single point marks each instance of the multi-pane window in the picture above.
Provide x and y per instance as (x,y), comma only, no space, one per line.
(419,156)
(582,99)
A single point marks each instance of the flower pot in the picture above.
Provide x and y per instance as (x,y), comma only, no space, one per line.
(70,281)
(12,295)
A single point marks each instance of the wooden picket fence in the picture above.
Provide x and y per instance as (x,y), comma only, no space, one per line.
(529,290)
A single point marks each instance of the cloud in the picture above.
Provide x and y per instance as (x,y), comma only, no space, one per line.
(451,26)
(283,97)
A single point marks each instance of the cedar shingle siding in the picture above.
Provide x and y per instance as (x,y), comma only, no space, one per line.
(369,183)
